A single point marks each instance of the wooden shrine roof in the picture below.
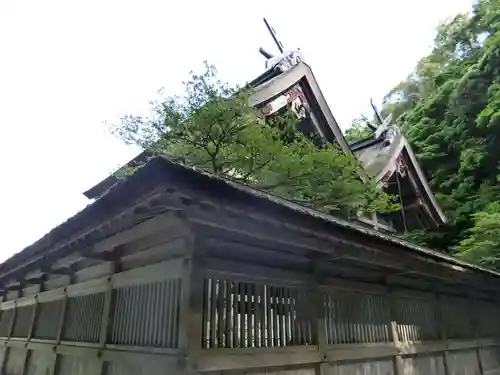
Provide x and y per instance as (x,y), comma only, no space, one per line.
(120,208)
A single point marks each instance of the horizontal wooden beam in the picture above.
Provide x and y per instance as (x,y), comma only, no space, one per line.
(58,271)
(235,359)
(239,359)
(36,280)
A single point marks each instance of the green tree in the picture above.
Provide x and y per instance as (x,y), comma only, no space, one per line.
(213,127)
(482,246)
(358,130)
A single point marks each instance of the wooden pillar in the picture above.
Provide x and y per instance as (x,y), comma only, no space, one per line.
(440,323)
(12,321)
(109,303)
(320,320)
(9,334)
(106,315)
(62,318)
(393,331)
(60,331)
(109,300)
(33,319)
(4,358)
(30,333)
(5,350)
(474,315)
(191,306)
(319,317)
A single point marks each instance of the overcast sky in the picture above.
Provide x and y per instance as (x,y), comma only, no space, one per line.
(67,66)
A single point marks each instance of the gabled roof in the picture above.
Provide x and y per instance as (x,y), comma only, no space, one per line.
(302,74)
(380,155)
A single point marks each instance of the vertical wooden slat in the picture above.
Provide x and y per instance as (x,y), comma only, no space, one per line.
(286,313)
(377,319)
(275,317)
(332,320)
(135,306)
(370,321)
(350,326)
(227,314)
(213,313)
(269,316)
(294,323)
(241,292)
(248,316)
(256,315)
(410,320)
(220,313)
(157,327)
(308,315)
(174,290)
(363,321)
(263,312)
(386,327)
(321,319)
(360,301)
(252,317)
(338,316)
(150,317)
(417,310)
(206,314)
(280,313)
(372,318)
(314,313)
(300,319)
(228,320)
(235,314)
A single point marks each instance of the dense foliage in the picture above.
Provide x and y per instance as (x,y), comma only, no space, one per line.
(450,105)
(358,130)
(213,128)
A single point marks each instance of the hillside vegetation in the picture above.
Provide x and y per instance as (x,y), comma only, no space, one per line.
(450,106)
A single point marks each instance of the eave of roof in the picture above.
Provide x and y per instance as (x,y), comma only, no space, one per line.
(152,173)
(399,148)
(279,84)
(98,189)
(122,192)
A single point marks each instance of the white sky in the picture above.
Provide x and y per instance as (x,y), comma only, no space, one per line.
(66,66)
